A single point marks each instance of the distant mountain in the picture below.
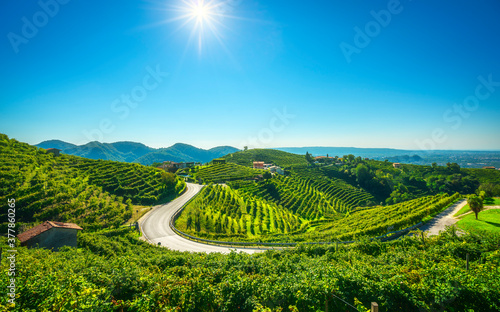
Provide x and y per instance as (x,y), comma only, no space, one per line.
(138,152)
(466,159)
(341,151)
(56,144)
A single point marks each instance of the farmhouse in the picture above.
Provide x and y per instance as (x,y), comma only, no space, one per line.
(170,164)
(258,165)
(50,235)
(396,165)
(323,157)
(489,167)
(54,151)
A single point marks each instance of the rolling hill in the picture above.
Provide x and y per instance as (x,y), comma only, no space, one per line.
(280,158)
(138,152)
(93,193)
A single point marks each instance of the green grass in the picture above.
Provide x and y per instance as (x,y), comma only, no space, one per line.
(487,202)
(492,201)
(465,209)
(488,220)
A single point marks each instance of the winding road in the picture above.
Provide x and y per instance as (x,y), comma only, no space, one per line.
(444,219)
(155,227)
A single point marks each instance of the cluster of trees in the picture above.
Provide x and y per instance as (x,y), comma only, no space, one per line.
(393,185)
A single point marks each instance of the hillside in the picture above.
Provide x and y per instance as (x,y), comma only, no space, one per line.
(340,198)
(93,193)
(138,152)
(283,159)
(114,271)
(56,144)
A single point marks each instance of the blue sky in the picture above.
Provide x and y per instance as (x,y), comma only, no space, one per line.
(400,74)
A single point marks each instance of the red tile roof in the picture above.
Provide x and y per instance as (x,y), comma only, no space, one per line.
(47,225)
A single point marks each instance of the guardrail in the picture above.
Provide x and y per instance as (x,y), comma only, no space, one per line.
(383,238)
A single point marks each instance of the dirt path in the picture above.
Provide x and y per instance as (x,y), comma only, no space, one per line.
(484,209)
(444,219)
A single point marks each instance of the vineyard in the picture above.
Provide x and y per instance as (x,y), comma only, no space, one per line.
(114,271)
(245,214)
(279,158)
(220,212)
(95,194)
(221,173)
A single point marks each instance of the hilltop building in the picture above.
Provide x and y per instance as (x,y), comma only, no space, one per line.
(489,167)
(258,165)
(54,151)
(323,157)
(396,165)
(51,235)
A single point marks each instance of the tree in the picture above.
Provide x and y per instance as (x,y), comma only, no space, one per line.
(363,174)
(245,148)
(453,167)
(475,204)
(309,158)
(267,175)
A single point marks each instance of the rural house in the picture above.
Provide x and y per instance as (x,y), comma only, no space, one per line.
(50,235)
(219,161)
(258,165)
(54,151)
(396,165)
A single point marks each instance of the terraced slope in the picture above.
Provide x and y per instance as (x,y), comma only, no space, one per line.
(222,213)
(93,193)
(221,173)
(283,159)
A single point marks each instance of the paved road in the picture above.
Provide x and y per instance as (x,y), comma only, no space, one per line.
(155,227)
(445,218)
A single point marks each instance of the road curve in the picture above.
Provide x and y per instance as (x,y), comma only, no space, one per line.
(155,227)
(444,219)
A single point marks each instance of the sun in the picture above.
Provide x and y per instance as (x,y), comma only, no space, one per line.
(201,11)
(204,17)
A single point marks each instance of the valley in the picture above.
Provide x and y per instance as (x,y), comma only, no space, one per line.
(248,239)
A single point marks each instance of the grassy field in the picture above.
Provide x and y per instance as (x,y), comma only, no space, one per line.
(465,209)
(487,221)
(492,201)
(487,202)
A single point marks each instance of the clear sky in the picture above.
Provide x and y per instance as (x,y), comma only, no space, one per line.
(401,74)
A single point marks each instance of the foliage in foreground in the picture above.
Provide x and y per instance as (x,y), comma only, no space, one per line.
(113,270)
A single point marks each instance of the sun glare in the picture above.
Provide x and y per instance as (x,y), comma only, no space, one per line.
(204,17)
(200,11)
